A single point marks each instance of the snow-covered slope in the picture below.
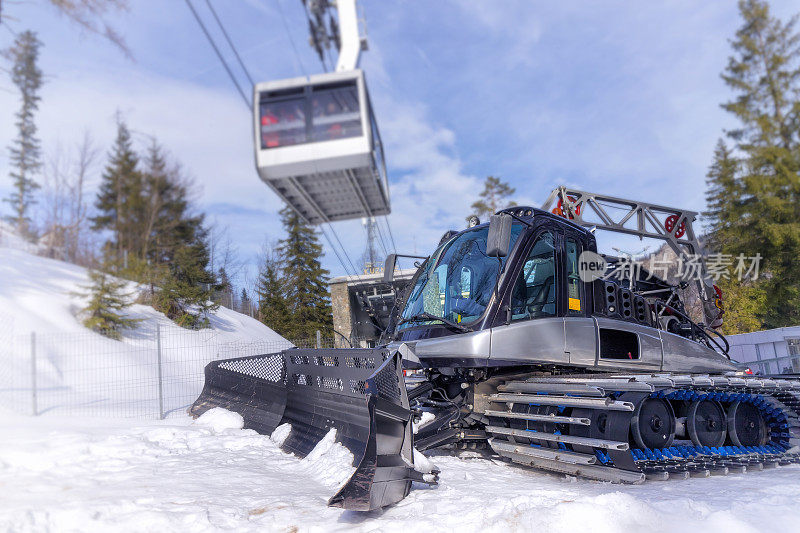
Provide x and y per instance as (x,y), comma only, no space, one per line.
(44,295)
(90,475)
(79,371)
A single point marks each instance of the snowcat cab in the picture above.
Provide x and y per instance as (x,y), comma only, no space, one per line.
(498,286)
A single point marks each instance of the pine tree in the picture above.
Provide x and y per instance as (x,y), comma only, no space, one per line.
(764,73)
(304,278)
(172,238)
(273,307)
(156,188)
(763,205)
(493,197)
(744,300)
(25,151)
(245,304)
(723,193)
(119,197)
(745,304)
(167,221)
(186,293)
(106,303)
(223,292)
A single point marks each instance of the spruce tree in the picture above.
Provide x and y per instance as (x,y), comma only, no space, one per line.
(223,292)
(245,304)
(761,213)
(723,192)
(494,197)
(173,240)
(118,197)
(186,292)
(25,150)
(168,222)
(107,301)
(304,278)
(744,299)
(273,307)
(156,188)
(745,304)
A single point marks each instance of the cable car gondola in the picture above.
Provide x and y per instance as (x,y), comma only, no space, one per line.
(318,146)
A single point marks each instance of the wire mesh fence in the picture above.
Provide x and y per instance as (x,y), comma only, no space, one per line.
(155,372)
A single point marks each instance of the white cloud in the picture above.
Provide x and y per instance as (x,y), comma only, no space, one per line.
(430,192)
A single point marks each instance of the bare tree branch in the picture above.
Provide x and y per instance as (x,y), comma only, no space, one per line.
(91,15)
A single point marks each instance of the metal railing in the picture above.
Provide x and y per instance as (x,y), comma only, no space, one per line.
(156,372)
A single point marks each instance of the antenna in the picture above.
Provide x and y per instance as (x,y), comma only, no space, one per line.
(370,253)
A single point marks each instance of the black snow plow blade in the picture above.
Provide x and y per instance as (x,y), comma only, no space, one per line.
(359,392)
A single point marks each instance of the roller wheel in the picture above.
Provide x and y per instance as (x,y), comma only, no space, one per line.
(746,425)
(597,429)
(706,423)
(653,424)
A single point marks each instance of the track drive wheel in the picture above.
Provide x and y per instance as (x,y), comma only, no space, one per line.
(597,429)
(653,424)
(706,423)
(746,425)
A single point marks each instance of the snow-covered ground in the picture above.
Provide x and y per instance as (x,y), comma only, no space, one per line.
(209,475)
(61,473)
(81,372)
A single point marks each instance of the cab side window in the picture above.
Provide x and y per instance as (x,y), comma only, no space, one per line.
(534,292)
(574,283)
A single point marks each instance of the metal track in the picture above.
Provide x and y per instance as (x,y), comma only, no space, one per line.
(553,423)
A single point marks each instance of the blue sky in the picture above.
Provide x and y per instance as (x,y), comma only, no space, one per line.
(615,97)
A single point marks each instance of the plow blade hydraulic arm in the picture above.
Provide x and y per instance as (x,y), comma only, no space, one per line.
(359,392)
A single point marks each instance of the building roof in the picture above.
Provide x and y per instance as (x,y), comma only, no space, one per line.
(377,277)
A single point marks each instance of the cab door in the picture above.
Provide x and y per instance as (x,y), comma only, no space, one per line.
(534,332)
(580,331)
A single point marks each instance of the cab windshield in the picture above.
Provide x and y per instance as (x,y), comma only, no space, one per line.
(457,282)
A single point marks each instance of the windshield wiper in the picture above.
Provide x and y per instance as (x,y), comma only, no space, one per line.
(427,316)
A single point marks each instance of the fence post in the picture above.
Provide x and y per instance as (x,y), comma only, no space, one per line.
(160,377)
(33,374)
(319,339)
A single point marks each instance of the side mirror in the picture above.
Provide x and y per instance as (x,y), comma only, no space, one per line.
(498,241)
(388,268)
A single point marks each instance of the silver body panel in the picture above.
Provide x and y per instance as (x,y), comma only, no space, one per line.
(580,339)
(569,341)
(475,345)
(684,355)
(530,340)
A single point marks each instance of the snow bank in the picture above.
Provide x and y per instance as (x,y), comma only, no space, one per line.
(118,475)
(329,462)
(281,433)
(218,420)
